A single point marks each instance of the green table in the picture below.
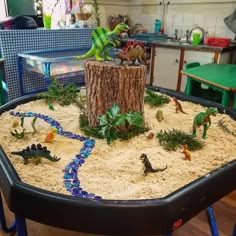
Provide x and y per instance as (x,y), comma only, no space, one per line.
(221,77)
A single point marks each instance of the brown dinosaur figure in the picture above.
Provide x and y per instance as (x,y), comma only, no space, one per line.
(186,152)
(150,135)
(132,52)
(178,106)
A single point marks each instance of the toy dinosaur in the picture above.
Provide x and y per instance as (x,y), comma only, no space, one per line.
(36,152)
(132,52)
(150,135)
(178,106)
(103,40)
(159,115)
(186,152)
(50,136)
(204,119)
(15,123)
(147,165)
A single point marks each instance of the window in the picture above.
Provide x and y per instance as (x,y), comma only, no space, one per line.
(3,9)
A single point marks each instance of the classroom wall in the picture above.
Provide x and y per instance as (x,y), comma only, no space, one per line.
(184,16)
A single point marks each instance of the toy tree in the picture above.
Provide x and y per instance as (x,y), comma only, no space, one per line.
(107,83)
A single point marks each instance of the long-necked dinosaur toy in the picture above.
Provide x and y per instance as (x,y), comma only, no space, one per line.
(103,41)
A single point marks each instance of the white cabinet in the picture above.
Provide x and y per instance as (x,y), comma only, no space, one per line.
(201,57)
(194,56)
(166,67)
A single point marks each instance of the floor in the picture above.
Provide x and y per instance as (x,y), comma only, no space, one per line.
(224,210)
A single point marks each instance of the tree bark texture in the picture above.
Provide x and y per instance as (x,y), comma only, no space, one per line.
(107,83)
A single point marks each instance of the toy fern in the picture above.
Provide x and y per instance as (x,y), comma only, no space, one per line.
(153,99)
(171,140)
(113,125)
(57,92)
(225,128)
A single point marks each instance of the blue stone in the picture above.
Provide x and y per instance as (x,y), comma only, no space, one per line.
(76,192)
(74,167)
(69,189)
(89,143)
(68,167)
(74,175)
(67,176)
(98,198)
(91,195)
(89,149)
(68,185)
(76,183)
(59,130)
(82,138)
(84,194)
(86,153)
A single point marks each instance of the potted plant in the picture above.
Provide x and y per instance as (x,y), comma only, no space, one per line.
(79,12)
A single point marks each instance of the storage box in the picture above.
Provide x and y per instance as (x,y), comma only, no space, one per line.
(57,63)
(151,37)
(218,42)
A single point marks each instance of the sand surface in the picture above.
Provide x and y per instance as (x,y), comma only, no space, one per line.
(115,171)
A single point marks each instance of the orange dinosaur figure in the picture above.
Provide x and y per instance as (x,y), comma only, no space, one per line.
(15,123)
(50,136)
(186,152)
(178,106)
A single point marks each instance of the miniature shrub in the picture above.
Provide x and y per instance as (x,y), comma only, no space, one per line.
(173,139)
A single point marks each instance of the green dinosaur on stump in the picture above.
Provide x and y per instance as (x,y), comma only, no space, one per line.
(103,40)
(203,118)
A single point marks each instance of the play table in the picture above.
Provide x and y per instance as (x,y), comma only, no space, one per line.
(221,77)
(113,217)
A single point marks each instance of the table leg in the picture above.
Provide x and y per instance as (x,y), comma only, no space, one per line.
(188,88)
(47,72)
(20,75)
(212,221)
(234,232)
(234,104)
(21,226)
(225,98)
(3,224)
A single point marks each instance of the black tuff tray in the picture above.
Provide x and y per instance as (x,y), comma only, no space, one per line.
(116,217)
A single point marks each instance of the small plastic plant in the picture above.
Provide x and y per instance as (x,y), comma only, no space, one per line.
(173,139)
(113,125)
(153,99)
(225,128)
(62,94)
(20,135)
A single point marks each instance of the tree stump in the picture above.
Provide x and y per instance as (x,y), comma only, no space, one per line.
(107,83)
